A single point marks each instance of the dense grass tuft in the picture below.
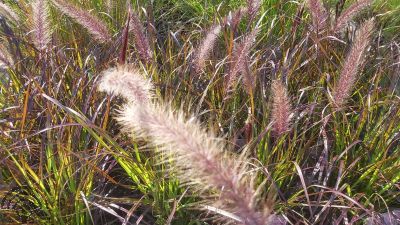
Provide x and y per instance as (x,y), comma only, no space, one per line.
(199,112)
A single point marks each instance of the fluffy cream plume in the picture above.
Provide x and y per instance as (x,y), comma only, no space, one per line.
(203,51)
(127,82)
(141,41)
(319,14)
(8,13)
(281,108)
(354,59)
(198,154)
(349,13)
(93,24)
(41,24)
(240,55)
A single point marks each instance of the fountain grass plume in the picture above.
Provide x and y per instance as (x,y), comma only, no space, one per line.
(91,23)
(127,82)
(141,41)
(352,64)
(238,63)
(349,13)
(233,18)
(319,14)
(198,155)
(41,35)
(281,108)
(203,51)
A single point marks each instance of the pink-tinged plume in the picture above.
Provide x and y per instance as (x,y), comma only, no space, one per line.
(343,87)
(41,24)
(281,108)
(91,23)
(349,13)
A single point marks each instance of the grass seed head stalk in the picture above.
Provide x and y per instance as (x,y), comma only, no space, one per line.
(319,14)
(206,46)
(349,13)
(127,82)
(41,24)
(93,24)
(141,41)
(354,59)
(281,108)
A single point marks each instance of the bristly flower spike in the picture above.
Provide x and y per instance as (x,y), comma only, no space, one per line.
(352,64)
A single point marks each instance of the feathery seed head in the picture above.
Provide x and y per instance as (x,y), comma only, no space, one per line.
(351,66)
(128,83)
(235,17)
(281,108)
(253,8)
(141,41)
(93,25)
(349,13)
(318,13)
(199,156)
(238,64)
(203,51)
(41,24)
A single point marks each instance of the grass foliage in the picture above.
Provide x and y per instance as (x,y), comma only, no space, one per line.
(230,111)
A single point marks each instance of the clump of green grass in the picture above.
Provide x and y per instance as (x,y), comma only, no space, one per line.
(305,103)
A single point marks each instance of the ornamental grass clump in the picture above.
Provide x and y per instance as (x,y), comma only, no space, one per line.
(198,155)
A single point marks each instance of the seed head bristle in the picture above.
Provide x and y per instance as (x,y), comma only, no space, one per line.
(253,7)
(234,18)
